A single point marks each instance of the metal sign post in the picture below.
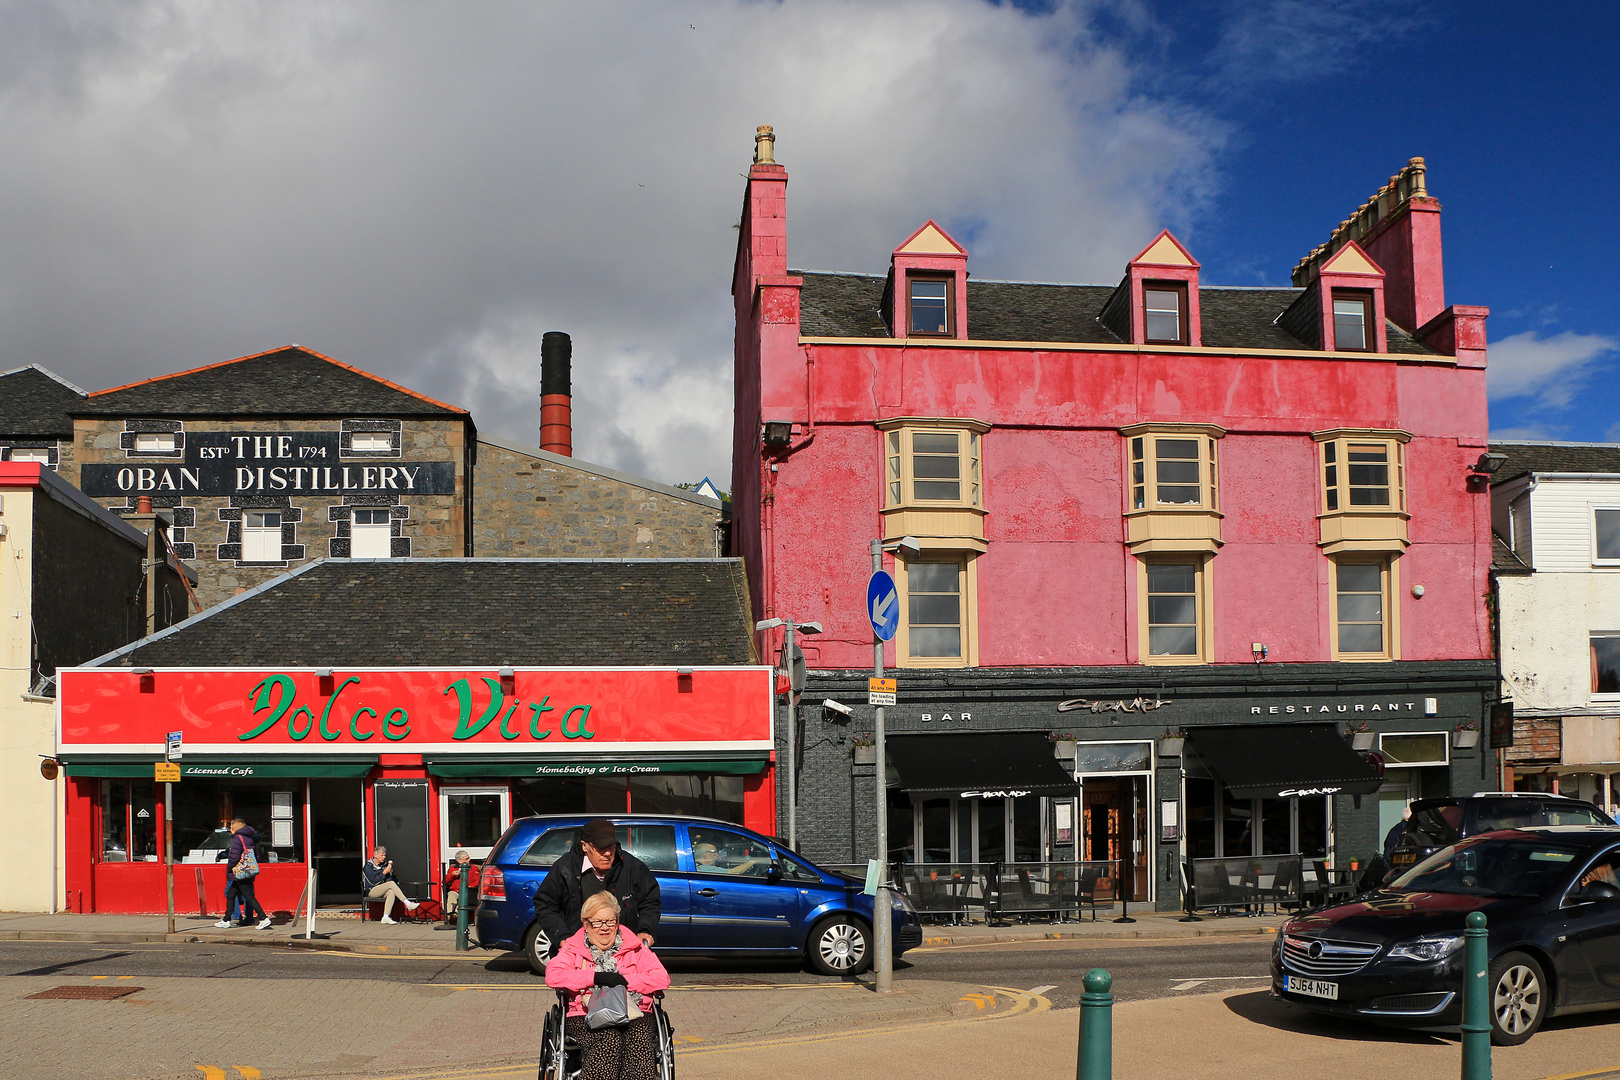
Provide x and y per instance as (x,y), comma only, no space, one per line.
(169,774)
(792,737)
(883,606)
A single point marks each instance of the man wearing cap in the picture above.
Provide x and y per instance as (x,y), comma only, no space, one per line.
(597,864)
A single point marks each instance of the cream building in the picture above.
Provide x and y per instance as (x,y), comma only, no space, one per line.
(72,587)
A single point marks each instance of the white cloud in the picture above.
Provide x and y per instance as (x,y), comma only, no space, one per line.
(1548,370)
(423,189)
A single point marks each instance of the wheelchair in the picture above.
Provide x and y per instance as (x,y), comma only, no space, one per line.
(563,1059)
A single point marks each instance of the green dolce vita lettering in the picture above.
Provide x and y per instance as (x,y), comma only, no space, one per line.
(275,696)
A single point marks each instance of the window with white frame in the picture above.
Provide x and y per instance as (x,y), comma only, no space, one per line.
(38,454)
(1605,663)
(261,536)
(1364,474)
(370,441)
(370,533)
(155,442)
(932,466)
(1606,535)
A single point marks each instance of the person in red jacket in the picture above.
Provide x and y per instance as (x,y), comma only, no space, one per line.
(452,884)
(604,953)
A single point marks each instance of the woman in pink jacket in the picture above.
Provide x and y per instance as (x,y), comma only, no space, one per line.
(604,953)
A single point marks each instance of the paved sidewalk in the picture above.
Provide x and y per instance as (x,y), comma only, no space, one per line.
(349,934)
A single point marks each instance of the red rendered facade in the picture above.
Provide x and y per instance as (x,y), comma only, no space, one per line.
(1056,581)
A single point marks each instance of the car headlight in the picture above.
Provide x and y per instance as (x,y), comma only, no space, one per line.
(1428,949)
(900,901)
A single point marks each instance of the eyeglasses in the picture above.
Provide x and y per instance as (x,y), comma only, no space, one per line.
(601,924)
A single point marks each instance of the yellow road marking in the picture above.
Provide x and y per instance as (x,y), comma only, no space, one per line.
(1595,1074)
(211,1072)
(979,1000)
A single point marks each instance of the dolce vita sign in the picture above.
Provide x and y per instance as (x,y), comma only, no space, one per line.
(485,710)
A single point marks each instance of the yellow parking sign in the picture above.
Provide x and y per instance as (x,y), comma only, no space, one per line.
(165,773)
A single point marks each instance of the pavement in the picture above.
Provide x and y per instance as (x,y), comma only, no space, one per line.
(345,932)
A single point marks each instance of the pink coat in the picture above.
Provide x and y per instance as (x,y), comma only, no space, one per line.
(574,968)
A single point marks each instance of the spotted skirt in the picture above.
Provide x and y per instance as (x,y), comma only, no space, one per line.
(617,1053)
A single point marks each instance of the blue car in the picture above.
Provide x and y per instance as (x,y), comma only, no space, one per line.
(727,891)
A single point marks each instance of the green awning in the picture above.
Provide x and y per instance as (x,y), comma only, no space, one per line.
(227,769)
(533,766)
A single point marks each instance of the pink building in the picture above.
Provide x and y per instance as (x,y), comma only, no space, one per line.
(1246,518)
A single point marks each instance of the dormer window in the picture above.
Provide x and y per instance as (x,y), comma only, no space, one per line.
(1351,317)
(1164,312)
(928,306)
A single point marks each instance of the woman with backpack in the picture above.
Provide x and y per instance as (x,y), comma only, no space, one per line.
(241,867)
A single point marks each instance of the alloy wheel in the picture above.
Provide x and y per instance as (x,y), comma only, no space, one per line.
(842,946)
(1516,1000)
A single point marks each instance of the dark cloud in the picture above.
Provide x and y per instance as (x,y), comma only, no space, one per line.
(424,189)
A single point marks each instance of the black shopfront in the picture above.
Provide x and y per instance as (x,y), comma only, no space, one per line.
(1142,768)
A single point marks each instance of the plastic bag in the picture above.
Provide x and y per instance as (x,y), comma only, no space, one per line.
(609,1006)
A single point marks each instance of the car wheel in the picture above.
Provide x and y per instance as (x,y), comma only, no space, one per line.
(840,946)
(536,946)
(1518,998)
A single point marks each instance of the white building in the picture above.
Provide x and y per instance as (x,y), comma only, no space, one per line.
(1556,506)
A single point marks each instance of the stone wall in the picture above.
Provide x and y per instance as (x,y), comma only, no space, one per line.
(528,503)
(207,528)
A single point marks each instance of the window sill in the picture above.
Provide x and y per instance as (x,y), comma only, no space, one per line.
(1362,658)
(930,662)
(1173,661)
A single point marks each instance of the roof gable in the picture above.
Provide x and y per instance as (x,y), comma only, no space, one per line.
(290,381)
(930,240)
(1350,259)
(528,612)
(1165,250)
(37,403)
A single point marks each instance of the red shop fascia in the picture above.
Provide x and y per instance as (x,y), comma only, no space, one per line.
(327,763)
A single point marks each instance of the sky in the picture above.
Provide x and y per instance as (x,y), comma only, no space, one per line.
(424,189)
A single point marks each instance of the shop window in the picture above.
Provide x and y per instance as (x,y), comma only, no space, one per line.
(370,533)
(261,536)
(1361,607)
(936,466)
(129,817)
(1202,814)
(1174,611)
(1420,748)
(1164,312)
(692,794)
(1605,663)
(1605,534)
(928,306)
(203,809)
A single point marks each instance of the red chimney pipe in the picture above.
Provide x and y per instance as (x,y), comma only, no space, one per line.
(143,504)
(556,394)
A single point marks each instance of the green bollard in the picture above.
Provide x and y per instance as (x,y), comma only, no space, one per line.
(1097,1027)
(1476,1025)
(461,909)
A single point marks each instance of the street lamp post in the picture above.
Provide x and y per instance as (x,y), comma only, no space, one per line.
(882,916)
(795,684)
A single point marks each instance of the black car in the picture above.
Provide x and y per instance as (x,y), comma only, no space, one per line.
(1438,823)
(1551,898)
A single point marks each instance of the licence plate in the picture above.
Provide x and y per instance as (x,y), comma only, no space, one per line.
(1401,858)
(1311,987)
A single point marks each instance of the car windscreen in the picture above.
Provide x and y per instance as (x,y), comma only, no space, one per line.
(1492,866)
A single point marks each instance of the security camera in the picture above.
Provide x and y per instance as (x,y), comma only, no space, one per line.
(838,707)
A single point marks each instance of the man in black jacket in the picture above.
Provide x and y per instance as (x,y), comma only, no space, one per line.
(597,864)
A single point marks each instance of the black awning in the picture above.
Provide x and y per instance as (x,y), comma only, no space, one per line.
(984,764)
(1269,761)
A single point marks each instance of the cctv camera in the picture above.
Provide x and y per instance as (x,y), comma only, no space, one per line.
(838,707)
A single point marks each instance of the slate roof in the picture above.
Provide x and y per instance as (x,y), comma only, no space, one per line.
(1554,457)
(290,381)
(37,404)
(1503,558)
(849,305)
(425,612)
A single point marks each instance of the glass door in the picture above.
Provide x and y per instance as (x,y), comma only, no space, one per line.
(472,818)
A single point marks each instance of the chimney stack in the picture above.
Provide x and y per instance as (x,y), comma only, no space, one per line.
(556,393)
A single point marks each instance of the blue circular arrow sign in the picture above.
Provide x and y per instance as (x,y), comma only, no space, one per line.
(883,605)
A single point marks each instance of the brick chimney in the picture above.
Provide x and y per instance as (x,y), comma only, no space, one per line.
(556,393)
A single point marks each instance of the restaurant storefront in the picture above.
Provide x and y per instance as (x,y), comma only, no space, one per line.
(1019,767)
(327,763)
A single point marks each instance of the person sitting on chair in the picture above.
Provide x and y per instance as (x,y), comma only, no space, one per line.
(452,884)
(377,879)
(606,953)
